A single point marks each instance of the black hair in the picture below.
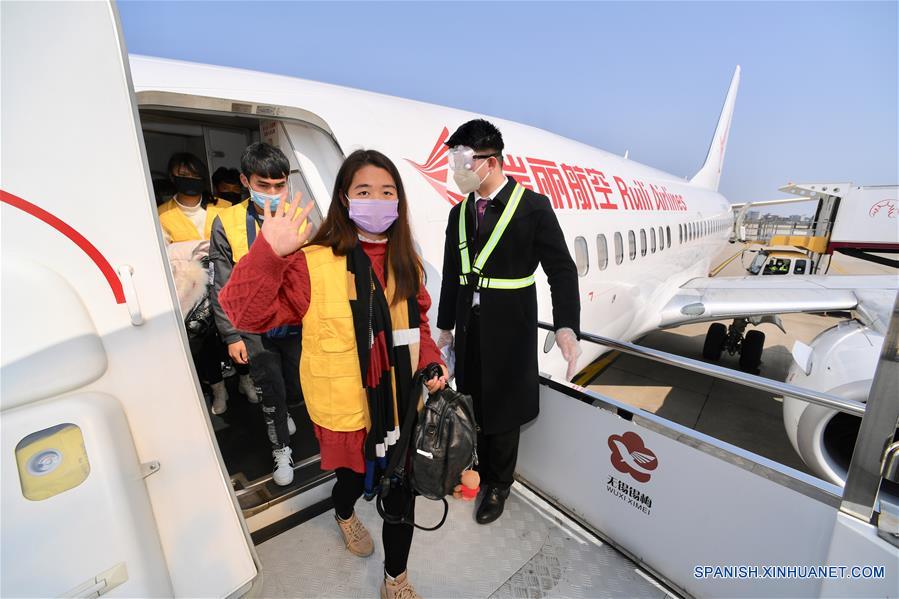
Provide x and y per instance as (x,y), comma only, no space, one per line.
(480,136)
(163,189)
(264,160)
(225,175)
(190,162)
(339,233)
(195,166)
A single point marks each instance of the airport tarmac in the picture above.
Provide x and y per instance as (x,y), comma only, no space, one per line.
(748,418)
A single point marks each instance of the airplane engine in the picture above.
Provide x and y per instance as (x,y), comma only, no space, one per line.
(841,362)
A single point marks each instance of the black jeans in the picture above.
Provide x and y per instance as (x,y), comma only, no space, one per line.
(497,453)
(275,367)
(397,538)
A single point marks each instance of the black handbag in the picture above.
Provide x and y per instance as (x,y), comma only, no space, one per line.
(435,446)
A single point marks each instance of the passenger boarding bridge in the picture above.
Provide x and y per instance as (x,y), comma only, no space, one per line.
(612,501)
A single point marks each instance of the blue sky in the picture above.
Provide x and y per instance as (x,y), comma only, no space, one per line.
(817,102)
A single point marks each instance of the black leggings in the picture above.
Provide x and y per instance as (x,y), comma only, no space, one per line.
(397,538)
(207,352)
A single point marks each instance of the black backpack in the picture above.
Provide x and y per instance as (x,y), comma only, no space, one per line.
(434,447)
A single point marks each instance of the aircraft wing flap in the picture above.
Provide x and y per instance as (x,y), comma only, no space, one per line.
(706,299)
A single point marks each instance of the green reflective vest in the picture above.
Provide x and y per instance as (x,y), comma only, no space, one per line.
(482,282)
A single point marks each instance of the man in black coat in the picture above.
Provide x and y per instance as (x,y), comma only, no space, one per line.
(488,296)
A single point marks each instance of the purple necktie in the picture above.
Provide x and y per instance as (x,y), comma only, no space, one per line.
(482,206)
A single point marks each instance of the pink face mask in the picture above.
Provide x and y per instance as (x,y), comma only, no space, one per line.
(374,216)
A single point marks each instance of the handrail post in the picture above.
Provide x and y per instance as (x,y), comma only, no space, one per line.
(877,429)
(826,400)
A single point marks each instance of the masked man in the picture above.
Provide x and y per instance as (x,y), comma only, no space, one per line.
(495,240)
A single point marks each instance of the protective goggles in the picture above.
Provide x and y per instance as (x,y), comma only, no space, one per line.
(463,157)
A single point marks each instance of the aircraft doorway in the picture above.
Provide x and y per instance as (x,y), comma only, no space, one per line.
(219,139)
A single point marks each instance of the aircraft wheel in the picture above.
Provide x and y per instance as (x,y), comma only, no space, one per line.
(714,342)
(751,354)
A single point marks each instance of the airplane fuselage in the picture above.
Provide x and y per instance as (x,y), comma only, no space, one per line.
(637,233)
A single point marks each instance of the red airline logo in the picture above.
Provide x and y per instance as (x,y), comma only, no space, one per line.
(888,207)
(436,167)
(569,187)
(631,456)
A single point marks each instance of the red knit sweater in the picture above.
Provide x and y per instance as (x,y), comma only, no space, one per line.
(266,291)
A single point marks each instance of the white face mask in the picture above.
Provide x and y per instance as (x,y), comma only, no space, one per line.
(468,181)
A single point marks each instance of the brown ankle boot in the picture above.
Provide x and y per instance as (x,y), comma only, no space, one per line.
(356,537)
(398,588)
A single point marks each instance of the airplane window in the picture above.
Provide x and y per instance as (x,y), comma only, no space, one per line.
(652,240)
(580,256)
(661,239)
(642,242)
(602,252)
(619,249)
(668,235)
(757,262)
(777,266)
(631,244)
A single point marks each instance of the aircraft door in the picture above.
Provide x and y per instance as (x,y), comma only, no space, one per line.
(112,479)
(314,160)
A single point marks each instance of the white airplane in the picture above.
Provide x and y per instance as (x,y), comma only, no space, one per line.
(86,287)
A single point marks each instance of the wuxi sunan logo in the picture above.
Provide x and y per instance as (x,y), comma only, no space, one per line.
(631,456)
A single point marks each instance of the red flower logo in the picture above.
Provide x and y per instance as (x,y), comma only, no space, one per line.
(631,456)
(888,207)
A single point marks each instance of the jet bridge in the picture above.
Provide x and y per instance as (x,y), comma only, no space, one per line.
(859,221)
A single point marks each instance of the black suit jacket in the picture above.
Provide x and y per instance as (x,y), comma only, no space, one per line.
(508,321)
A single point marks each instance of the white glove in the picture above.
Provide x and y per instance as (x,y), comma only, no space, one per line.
(445,338)
(445,345)
(571,350)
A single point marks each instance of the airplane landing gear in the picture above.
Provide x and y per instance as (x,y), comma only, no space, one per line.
(714,342)
(751,352)
(720,338)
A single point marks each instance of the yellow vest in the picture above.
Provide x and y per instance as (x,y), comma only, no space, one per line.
(234,221)
(180,228)
(329,365)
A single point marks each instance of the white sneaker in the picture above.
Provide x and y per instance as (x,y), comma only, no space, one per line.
(273,434)
(283,474)
(248,388)
(219,398)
